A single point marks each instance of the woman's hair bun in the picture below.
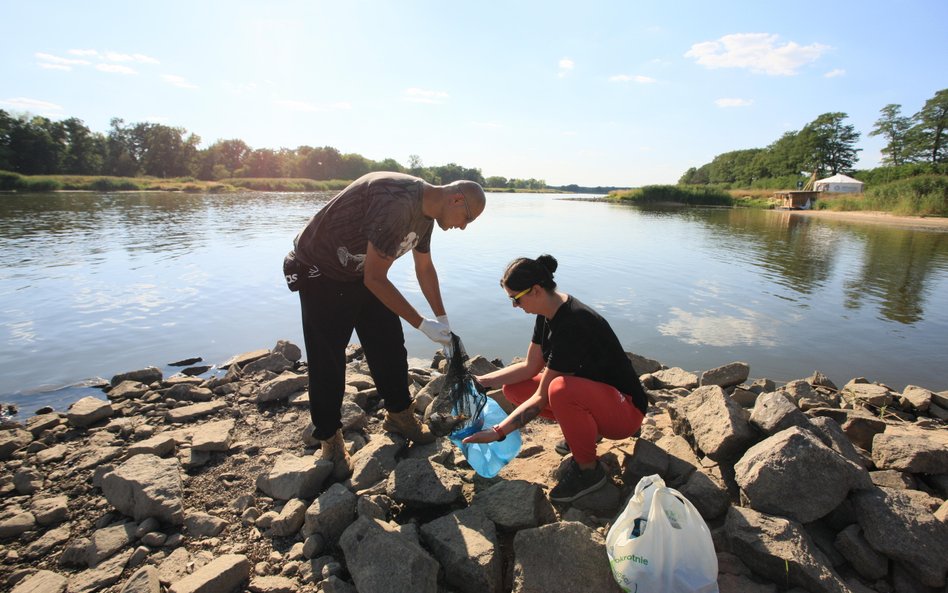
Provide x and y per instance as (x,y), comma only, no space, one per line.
(548,261)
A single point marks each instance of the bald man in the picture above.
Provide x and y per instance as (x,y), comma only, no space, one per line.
(340,265)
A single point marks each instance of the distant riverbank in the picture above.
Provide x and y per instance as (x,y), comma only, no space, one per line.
(884,218)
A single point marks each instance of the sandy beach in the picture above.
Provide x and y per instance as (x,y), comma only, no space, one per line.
(916,222)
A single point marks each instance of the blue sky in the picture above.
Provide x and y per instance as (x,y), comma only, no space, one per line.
(619,93)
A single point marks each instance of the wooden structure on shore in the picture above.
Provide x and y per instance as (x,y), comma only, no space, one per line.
(796,200)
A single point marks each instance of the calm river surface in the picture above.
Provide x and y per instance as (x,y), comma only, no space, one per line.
(96,284)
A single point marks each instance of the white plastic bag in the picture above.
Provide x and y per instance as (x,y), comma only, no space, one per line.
(661,543)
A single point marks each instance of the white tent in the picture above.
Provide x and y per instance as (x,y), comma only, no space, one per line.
(839,183)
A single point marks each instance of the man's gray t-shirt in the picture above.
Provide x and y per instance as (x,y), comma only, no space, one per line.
(384,208)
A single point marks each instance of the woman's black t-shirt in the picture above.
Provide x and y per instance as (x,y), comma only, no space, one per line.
(578,341)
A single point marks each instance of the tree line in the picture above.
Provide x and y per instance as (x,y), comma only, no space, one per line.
(827,145)
(37,145)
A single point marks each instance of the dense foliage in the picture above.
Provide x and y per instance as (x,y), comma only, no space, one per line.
(36,145)
(676,194)
(826,146)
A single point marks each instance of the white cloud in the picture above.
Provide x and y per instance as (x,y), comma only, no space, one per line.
(757,52)
(733,102)
(83,52)
(51,62)
(566,66)
(35,105)
(178,81)
(416,95)
(834,73)
(140,58)
(305,106)
(115,69)
(708,328)
(637,78)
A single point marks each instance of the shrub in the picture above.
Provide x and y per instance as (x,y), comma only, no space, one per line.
(113,184)
(9,180)
(38,184)
(677,194)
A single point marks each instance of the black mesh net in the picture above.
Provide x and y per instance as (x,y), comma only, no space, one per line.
(466,395)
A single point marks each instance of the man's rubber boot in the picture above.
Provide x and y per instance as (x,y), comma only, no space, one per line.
(405,424)
(334,449)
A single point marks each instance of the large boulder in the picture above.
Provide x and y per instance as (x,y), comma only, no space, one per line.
(895,525)
(147,486)
(565,556)
(781,551)
(294,477)
(718,425)
(465,542)
(911,449)
(795,475)
(382,560)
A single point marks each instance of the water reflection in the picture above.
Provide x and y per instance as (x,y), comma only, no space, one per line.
(713,328)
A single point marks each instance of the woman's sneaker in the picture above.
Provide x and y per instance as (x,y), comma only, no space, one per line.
(578,482)
(562,447)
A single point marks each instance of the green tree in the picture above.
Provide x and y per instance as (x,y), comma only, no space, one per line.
(496,181)
(894,127)
(929,134)
(85,151)
(120,153)
(263,162)
(36,145)
(829,144)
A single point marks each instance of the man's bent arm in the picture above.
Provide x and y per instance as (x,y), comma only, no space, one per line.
(428,280)
(376,280)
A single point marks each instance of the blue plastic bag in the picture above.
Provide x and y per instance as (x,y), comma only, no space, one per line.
(487,459)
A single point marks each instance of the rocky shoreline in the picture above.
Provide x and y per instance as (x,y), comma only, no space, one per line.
(185,485)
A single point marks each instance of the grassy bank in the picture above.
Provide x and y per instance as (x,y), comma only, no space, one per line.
(43,183)
(925,195)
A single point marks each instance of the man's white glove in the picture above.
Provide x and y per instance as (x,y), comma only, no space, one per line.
(444,319)
(436,331)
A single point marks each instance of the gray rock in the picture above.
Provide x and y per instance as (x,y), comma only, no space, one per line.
(780,550)
(707,492)
(643,365)
(289,350)
(274,363)
(282,387)
(717,423)
(795,475)
(381,560)
(106,573)
(294,477)
(146,486)
(290,519)
(147,376)
(854,547)
(49,541)
(374,462)
(895,526)
(911,449)
(43,581)
(917,398)
(106,542)
(88,411)
(17,525)
(331,513)
(565,556)
(50,511)
(831,433)
(174,567)
(195,411)
(682,460)
(867,393)
(221,575)
(213,436)
(13,440)
(144,580)
(160,445)
(675,377)
(420,483)
(731,374)
(773,412)
(190,393)
(203,524)
(862,428)
(465,543)
(639,458)
(894,479)
(514,505)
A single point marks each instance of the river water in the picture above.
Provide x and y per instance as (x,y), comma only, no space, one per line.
(93,284)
